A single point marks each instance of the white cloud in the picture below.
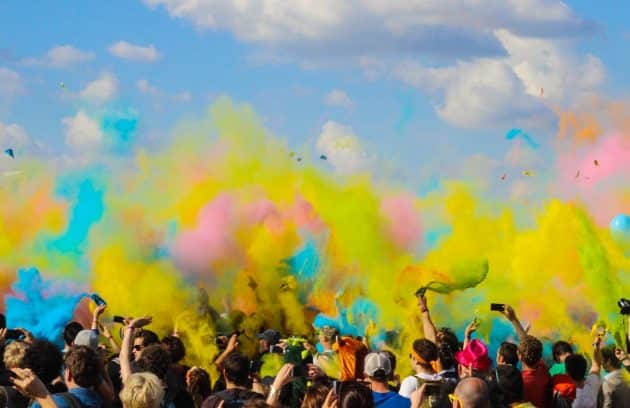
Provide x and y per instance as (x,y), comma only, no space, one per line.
(373,27)
(13,135)
(338,98)
(183,97)
(133,52)
(61,56)
(342,148)
(146,88)
(10,82)
(511,90)
(82,131)
(102,89)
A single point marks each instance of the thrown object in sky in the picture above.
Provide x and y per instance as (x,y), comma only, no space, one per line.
(299,159)
(577,175)
(518,133)
(62,85)
(527,173)
(10,153)
(323,157)
(595,162)
(503,176)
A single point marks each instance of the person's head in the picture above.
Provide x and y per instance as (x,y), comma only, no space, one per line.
(175,347)
(236,370)
(560,351)
(473,360)
(530,351)
(45,359)
(315,396)
(70,332)
(610,362)
(327,336)
(392,362)
(575,365)
(510,382)
(471,392)
(88,338)
(154,359)
(507,354)
(142,340)
(142,390)
(377,367)
(423,355)
(82,367)
(267,339)
(15,355)
(446,355)
(198,385)
(446,335)
(355,395)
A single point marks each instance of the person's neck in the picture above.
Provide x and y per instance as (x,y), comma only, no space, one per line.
(423,370)
(379,386)
(232,386)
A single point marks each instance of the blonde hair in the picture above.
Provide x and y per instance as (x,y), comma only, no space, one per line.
(15,354)
(142,390)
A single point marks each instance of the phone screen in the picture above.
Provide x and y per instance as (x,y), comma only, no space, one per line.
(98,300)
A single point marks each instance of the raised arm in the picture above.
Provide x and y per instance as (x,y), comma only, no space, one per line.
(596,364)
(127,344)
(97,315)
(470,329)
(232,346)
(430,332)
(510,314)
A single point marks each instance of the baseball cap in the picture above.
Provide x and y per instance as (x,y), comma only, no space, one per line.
(87,338)
(377,365)
(272,336)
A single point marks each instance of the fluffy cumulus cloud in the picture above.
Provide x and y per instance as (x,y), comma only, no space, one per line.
(13,135)
(82,131)
(102,89)
(61,56)
(360,27)
(10,82)
(517,89)
(338,98)
(133,52)
(342,148)
(484,61)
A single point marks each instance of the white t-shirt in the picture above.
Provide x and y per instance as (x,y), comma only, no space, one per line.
(586,397)
(410,384)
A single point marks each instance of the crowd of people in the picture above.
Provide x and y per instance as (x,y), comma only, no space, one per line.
(333,370)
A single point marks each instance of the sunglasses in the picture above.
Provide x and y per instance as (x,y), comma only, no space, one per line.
(137,347)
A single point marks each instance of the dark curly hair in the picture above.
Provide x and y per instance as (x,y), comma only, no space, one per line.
(155,360)
(84,366)
(175,347)
(148,337)
(45,359)
(531,350)
(198,385)
(70,332)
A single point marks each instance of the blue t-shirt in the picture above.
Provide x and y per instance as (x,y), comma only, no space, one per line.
(87,398)
(390,400)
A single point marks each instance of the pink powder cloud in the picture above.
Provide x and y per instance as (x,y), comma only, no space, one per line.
(403,221)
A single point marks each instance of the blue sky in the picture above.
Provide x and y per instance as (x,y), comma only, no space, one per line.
(408,87)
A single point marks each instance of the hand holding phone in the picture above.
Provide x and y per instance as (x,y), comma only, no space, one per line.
(97,299)
(497,307)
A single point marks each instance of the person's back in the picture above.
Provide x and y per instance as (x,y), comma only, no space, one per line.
(389,399)
(536,378)
(615,389)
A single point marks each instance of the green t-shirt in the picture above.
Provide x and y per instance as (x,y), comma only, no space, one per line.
(557,369)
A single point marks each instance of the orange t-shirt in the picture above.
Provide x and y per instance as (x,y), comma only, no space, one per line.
(352,354)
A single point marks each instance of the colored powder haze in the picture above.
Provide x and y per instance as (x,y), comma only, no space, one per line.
(226,221)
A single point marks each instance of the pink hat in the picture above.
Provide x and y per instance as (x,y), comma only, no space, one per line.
(475,355)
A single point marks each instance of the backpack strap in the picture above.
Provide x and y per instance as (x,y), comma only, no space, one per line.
(71,400)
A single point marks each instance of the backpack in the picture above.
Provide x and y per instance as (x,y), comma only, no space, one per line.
(560,401)
(435,401)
